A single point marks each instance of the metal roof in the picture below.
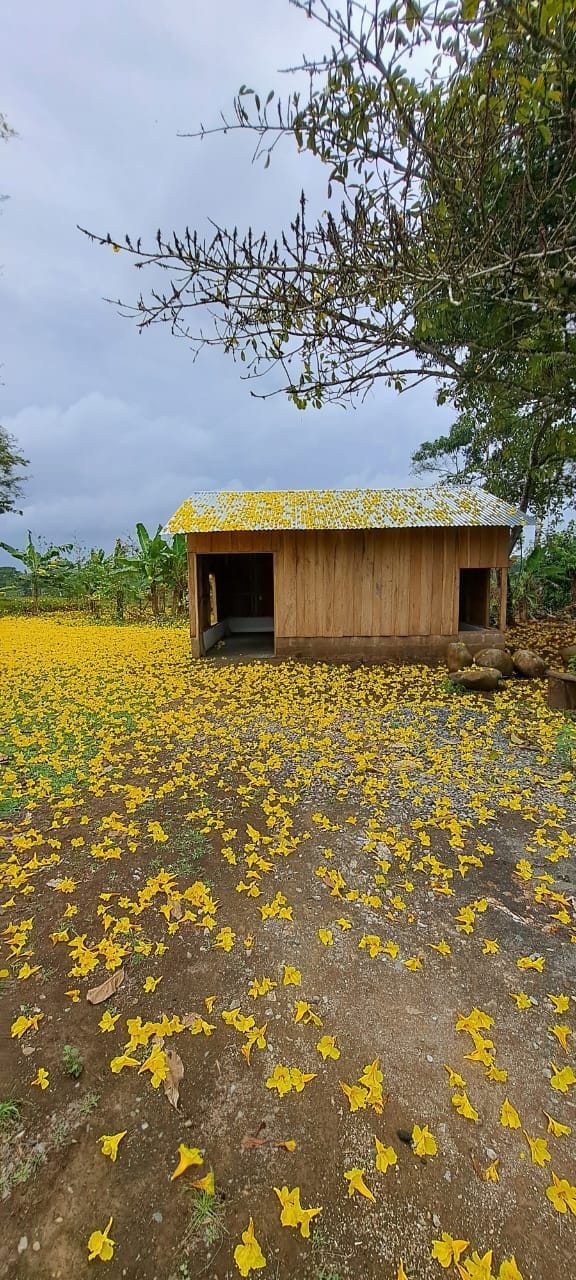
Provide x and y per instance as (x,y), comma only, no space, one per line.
(437,507)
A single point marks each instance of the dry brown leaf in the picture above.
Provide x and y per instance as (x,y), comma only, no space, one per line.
(189,1020)
(106,989)
(249,1143)
(176,909)
(175,1075)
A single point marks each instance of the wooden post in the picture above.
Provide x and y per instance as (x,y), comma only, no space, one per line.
(503,598)
(193,600)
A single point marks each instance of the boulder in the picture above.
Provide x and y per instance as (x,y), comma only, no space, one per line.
(530,664)
(567,653)
(498,658)
(458,656)
(484,679)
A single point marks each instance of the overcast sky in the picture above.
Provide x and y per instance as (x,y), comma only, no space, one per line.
(120,427)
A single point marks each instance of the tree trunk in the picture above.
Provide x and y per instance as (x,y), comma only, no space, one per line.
(154,600)
(34,595)
(120,606)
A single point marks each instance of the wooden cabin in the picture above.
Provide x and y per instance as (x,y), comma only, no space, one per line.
(352,573)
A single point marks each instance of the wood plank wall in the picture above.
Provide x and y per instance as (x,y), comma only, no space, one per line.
(381,582)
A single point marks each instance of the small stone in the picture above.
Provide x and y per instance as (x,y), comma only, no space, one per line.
(144,1125)
(187,1124)
(36,1246)
(59,1219)
(491,1153)
(435,1220)
(157,1217)
(429,1057)
(447,1176)
(22,1244)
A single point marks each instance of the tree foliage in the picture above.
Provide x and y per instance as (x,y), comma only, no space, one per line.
(446,131)
(519,443)
(11,460)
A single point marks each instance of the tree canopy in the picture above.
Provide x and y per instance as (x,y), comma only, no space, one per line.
(446,130)
(10,477)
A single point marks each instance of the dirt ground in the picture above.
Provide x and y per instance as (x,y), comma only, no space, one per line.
(330,824)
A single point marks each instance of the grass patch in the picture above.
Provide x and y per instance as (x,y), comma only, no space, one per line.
(206,1220)
(9,1113)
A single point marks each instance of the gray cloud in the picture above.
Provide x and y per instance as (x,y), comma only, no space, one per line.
(118,426)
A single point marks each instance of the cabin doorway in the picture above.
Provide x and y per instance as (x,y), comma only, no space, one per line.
(474,607)
(236,603)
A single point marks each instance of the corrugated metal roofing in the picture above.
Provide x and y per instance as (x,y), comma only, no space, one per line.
(225,510)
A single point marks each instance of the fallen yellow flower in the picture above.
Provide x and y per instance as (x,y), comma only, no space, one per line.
(100,1245)
(248,1256)
(189,1157)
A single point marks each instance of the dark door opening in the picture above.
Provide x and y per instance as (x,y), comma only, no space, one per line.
(474,607)
(236,602)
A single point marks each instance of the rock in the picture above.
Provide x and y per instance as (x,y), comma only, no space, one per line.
(458,656)
(568,652)
(530,664)
(22,1244)
(484,679)
(157,1216)
(498,658)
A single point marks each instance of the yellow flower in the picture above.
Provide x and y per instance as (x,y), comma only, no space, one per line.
(225,939)
(509,1117)
(326,937)
(454,1079)
(562,1080)
(356,1183)
(531,962)
(108,1020)
(248,1256)
(508,1270)
(327,1048)
(475,1267)
(448,1250)
(463,1106)
(151,983)
(110,1143)
(205,1184)
(385,1156)
(41,1078)
(562,1032)
(423,1142)
(356,1095)
(491,1173)
(280,1080)
(538,1149)
(189,1156)
(100,1245)
(292,1213)
(557,1129)
(561,1003)
(522,1000)
(561,1194)
(292,977)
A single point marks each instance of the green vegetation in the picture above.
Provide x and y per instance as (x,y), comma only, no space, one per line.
(150,573)
(206,1219)
(9,1113)
(72,1061)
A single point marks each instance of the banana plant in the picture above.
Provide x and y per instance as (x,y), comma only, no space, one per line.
(176,570)
(40,567)
(150,563)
